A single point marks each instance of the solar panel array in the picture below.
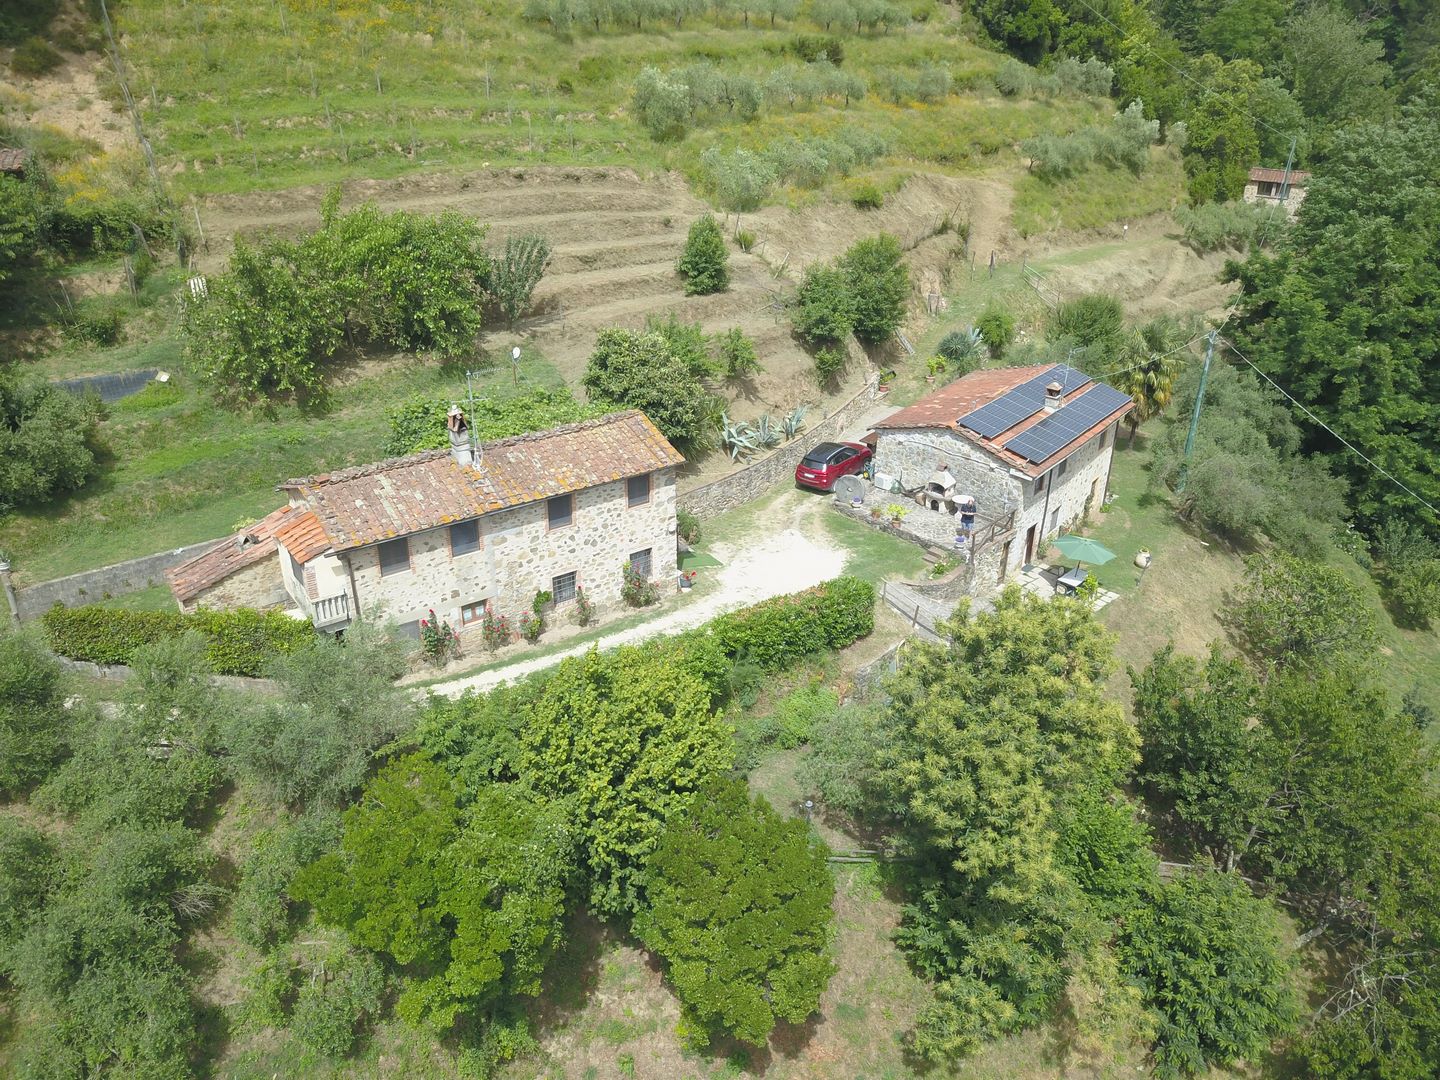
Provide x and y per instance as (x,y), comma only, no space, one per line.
(1020,403)
(1067,424)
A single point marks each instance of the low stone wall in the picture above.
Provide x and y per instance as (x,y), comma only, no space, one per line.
(119,673)
(94,585)
(754,480)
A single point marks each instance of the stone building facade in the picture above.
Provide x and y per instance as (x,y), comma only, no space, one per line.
(1021,500)
(1274,187)
(468,529)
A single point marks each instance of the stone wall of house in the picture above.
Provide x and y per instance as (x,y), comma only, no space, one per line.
(1086,470)
(912,456)
(520,555)
(779,465)
(117,579)
(257,586)
(1291,203)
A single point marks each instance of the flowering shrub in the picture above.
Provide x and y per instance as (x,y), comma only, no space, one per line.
(495,630)
(531,626)
(584,609)
(636,591)
(687,578)
(438,641)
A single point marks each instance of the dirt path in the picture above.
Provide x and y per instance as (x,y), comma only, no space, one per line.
(796,557)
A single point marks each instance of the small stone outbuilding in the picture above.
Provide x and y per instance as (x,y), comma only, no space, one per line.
(1031,446)
(1276,187)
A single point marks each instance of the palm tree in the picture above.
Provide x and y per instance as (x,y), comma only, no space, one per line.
(1151,358)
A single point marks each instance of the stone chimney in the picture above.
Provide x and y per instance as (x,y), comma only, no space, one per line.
(461,448)
(1053,393)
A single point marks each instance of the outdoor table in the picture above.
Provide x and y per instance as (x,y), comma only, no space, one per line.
(1071,580)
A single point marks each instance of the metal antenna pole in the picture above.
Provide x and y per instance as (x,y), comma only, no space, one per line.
(1195,416)
(470,419)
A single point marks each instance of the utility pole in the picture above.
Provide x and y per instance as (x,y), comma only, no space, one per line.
(1195,416)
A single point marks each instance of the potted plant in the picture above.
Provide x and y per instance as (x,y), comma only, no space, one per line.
(687,580)
(887,379)
(934,368)
(895,512)
(876,513)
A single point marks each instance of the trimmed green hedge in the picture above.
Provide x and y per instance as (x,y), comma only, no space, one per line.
(240,642)
(778,632)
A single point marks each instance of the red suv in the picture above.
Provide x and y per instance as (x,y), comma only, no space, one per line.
(822,466)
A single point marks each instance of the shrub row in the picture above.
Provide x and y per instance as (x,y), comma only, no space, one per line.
(779,632)
(668,103)
(1069,76)
(237,642)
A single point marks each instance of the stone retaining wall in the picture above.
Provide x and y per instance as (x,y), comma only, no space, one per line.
(114,580)
(754,480)
(119,673)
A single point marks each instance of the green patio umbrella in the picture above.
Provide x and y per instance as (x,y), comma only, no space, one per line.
(1083,550)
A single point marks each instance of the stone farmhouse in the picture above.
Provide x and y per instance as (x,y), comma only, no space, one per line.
(457,530)
(1030,445)
(1271,187)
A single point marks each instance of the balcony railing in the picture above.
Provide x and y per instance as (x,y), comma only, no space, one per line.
(332,609)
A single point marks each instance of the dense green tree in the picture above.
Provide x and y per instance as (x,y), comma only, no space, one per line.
(1346,315)
(823,309)
(1243,30)
(1199,757)
(990,730)
(49,440)
(687,343)
(631,738)
(32,719)
(739,908)
(634,370)
(468,902)
(338,703)
(96,970)
(407,280)
(23,211)
(878,283)
(28,872)
(705,261)
(1222,143)
(1213,964)
(1092,321)
(1333,66)
(1293,612)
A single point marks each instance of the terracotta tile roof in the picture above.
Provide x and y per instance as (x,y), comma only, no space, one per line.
(944,408)
(303,536)
(13,159)
(227,557)
(1277,176)
(373,503)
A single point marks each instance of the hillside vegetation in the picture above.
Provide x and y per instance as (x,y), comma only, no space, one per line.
(242,95)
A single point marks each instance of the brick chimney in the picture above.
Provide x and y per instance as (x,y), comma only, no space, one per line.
(461,448)
(1053,393)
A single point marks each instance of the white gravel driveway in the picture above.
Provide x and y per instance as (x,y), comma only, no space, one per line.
(781,562)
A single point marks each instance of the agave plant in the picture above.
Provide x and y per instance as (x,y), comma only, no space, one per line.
(793,422)
(767,432)
(961,348)
(736,438)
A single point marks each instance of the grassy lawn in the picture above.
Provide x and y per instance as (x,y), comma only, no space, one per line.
(155,598)
(313,93)
(180,469)
(1098,195)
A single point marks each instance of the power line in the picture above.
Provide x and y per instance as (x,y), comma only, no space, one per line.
(1348,444)
(1182,72)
